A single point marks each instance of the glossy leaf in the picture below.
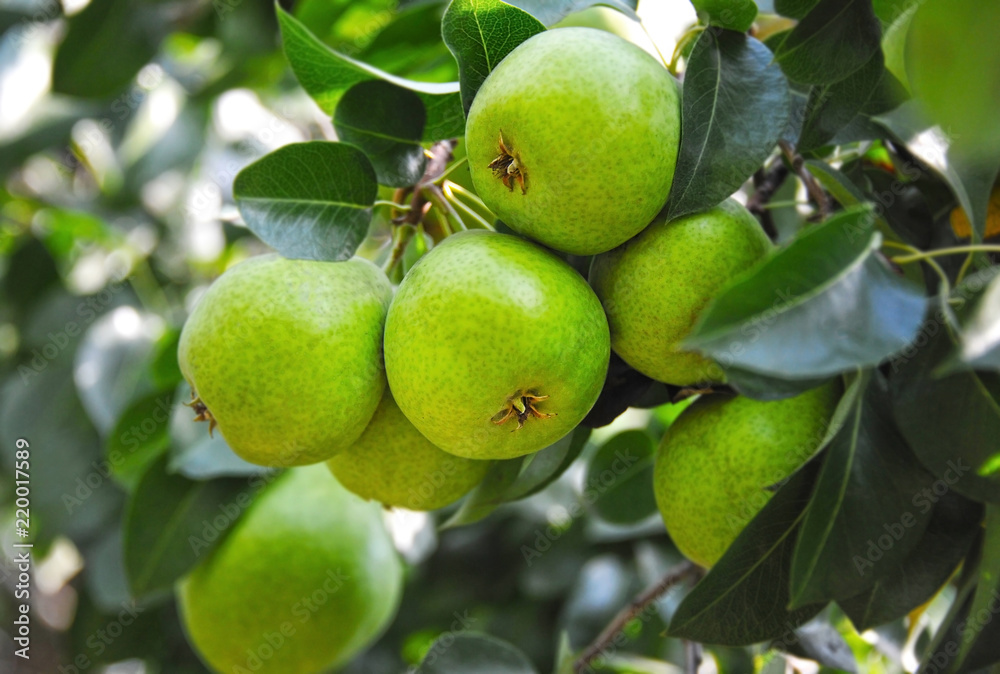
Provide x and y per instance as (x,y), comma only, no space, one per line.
(327,75)
(387,123)
(860,522)
(744,597)
(951,422)
(553,11)
(831,107)
(825,304)
(480,33)
(833,40)
(737,15)
(951,528)
(309,201)
(970,178)
(473,652)
(172,522)
(623,467)
(734,108)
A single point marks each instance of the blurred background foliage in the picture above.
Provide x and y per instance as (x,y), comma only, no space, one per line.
(122,125)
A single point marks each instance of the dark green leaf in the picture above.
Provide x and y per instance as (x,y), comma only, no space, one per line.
(171,522)
(986,600)
(105,46)
(939,657)
(970,178)
(763,387)
(386,122)
(735,15)
(980,342)
(326,75)
(795,9)
(480,33)
(832,106)
(734,108)
(825,304)
(553,11)
(473,652)
(139,437)
(311,201)
(164,369)
(624,387)
(744,598)
(953,525)
(952,423)
(623,466)
(833,40)
(860,522)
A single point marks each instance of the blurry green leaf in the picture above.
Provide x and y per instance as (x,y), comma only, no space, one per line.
(623,469)
(894,40)
(982,649)
(480,33)
(411,45)
(164,369)
(734,108)
(953,63)
(488,495)
(172,522)
(386,122)
(327,75)
(744,597)
(970,178)
(951,422)
(795,9)
(825,304)
(474,652)
(735,15)
(139,437)
(320,17)
(309,201)
(862,499)
(953,525)
(833,40)
(832,106)
(105,46)
(553,11)
(980,339)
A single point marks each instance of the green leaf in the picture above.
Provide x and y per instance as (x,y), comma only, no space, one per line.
(473,652)
(105,46)
(310,201)
(735,15)
(554,11)
(488,495)
(386,122)
(833,40)
(860,521)
(139,437)
(953,64)
(970,178)
(951,529)
(832,106)
(480,33)
(982,649)
(171,522)
(825,304)
(327,75)
(624,465)
(980,339)
(735,106)
(744,597)
(795,9)
(951,422)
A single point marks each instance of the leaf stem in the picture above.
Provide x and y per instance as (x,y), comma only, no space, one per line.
(401,235)
(679,48)
(451,168)
(798,165)
(673,577)
(437,197)
(391,204)
(926,255)
(450,189)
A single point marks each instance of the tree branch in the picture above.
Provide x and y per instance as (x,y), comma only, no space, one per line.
(674,576)
(814,189)
(766,184)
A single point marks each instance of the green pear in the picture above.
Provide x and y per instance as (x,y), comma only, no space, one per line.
(285,356)
(654,287)
(306,579)
(495,348)
(717,464)
(572,139)
(394,464)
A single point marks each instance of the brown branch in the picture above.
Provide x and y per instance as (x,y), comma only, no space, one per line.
(766,183)
(813,187)
(692,657)
(674,576)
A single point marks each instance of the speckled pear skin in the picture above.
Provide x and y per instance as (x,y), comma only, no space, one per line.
(480,318)
(287,356)
(595,121)
(654,287)
(394,464)
(309,563)
(717,461)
